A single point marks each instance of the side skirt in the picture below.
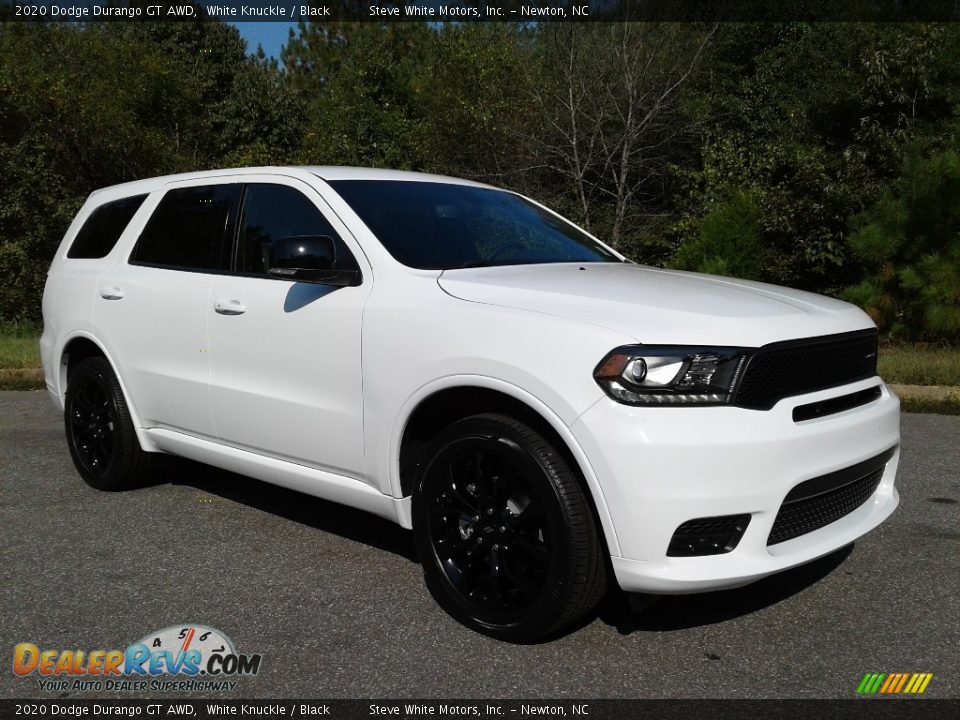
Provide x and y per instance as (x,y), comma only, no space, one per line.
(319,483)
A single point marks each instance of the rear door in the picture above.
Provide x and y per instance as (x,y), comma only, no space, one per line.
(151,307)
(285,355)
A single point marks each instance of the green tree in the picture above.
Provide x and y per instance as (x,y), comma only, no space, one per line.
(728,241)
(475,99)
(362,85)
(811,120)
(89,105)
(262,119)
(909,245)
(67,128)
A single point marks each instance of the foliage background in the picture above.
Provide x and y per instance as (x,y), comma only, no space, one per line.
(821,156)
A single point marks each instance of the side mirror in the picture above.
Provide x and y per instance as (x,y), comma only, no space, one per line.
(309,258)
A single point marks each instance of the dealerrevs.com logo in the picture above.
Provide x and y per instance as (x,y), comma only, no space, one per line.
(186,658)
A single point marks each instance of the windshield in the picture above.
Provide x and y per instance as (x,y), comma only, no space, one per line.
(441,226)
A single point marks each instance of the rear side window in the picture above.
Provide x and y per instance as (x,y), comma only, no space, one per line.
(189,229)
(104,227)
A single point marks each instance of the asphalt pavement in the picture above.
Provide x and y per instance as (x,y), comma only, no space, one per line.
(334,601)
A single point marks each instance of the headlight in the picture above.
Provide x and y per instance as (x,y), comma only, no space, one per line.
(672,375)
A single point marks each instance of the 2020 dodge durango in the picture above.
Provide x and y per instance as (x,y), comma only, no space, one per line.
(546,416)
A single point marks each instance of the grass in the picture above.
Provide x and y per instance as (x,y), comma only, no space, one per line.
(939,407)
(909,365)
(19,345)
(19,349)
(21,383)
(19,352)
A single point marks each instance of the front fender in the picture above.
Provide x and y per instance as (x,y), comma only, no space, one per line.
(392,458)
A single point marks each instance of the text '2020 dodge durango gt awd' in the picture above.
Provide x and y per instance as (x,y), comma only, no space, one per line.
(465,362)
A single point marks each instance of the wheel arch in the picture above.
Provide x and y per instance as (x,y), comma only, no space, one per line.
(436,405)
(80,345)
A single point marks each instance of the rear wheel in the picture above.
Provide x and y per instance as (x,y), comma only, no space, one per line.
(100,433)
(504,532)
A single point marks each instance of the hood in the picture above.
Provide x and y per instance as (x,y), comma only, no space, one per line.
(658,306)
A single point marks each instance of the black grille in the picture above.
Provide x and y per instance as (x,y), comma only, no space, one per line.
(816,503)
(797,367)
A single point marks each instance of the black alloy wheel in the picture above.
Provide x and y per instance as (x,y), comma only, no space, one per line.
(504,531)
(100,434)
(92,423)
(489,535)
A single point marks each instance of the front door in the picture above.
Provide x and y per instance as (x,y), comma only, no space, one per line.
(285,355)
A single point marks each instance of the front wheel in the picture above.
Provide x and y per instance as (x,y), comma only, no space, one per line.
(100,433)
(505,534)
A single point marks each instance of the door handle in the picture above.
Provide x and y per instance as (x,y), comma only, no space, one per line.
(230,307)
(111,293)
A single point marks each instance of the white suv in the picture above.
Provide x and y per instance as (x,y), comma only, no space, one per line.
(465,362)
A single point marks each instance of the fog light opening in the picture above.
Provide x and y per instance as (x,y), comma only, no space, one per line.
(708,536)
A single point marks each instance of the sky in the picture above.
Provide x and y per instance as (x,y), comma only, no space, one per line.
(271,35)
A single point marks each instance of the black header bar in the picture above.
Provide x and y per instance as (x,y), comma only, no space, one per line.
(437,11)
(854,709)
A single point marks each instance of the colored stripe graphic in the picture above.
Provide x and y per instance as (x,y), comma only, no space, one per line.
(922,685)
(891,680)
(894,683)
(870,683)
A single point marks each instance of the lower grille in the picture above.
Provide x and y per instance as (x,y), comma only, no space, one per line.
(816,503)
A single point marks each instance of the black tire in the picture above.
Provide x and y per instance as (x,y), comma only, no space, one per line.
(100,433)
(505,534)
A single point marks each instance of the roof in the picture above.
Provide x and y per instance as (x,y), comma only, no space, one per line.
(325,172)
(336,172)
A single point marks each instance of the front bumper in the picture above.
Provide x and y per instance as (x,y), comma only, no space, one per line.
(660,467)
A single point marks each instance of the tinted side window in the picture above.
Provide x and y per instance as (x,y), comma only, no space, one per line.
(104,227)
(189,229)
(275,212)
